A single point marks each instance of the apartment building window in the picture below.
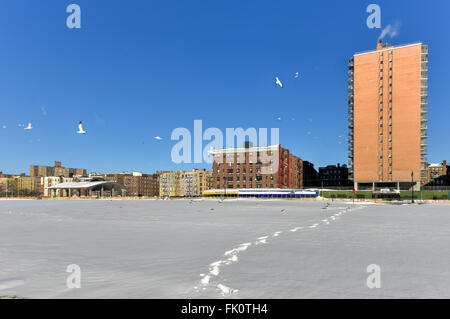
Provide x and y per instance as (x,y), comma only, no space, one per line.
(381,117)
(381,78)
(381,125)
(381,62)
(250,170)
(271,177)
(230,171)
(238,171)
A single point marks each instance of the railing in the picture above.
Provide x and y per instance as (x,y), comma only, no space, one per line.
(436,188)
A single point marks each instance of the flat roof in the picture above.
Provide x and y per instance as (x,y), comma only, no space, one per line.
(243,149)
(388,48)
(79,185)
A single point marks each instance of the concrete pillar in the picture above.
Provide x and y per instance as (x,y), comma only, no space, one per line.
(101,192)
(112,192)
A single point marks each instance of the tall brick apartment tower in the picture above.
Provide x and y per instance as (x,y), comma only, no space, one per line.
(388,116)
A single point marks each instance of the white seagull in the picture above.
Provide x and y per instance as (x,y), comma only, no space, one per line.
(278,82)
(296,75)
(159,138)
(29,127)
(80,128)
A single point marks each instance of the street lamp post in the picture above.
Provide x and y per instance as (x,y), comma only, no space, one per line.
(412,187)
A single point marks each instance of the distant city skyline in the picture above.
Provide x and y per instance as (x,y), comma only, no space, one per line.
(134,73)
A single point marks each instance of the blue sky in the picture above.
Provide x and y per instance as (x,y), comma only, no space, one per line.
(140,69)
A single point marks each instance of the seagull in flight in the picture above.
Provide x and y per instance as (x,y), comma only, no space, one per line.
(29,127)
(80,128)
(159,138)
(296,75)
(278,82)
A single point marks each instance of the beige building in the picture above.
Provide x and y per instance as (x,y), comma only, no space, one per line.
(437,174)
(48,181)
(28,186)
(388,116)
(8,186)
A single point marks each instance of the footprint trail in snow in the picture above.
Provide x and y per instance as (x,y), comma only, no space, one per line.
(211,279)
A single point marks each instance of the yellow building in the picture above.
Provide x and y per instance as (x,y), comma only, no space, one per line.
(169,184)
(184,184)
(204,181)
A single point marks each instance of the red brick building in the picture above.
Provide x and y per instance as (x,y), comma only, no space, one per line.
(258,167)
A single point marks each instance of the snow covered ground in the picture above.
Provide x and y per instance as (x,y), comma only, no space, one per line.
(235,249)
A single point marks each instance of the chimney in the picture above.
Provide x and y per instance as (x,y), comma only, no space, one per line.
(380,45)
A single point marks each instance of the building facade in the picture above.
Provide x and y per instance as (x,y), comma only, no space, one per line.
(334,176)
(388,116)
(56,170)
(185,184)
(257,167)
(437,174)
(136,183)
(28,186)
(170,184)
